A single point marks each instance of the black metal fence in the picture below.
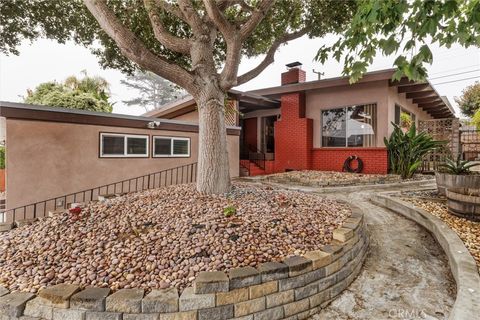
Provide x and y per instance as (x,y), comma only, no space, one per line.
(178,175)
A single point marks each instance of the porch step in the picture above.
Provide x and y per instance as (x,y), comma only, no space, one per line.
(254,170)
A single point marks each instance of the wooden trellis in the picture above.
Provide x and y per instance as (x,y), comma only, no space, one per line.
(444,130)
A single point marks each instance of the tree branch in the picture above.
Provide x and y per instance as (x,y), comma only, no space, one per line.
(214,13)
(256,17)
(164,36)
(135,50)
(168,7)
(191,16)
(270,57)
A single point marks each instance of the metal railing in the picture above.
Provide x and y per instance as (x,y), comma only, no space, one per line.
(182,174)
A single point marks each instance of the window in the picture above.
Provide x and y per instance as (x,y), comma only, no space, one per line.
(123,145)
(398,115)
(353,126)
(171,147)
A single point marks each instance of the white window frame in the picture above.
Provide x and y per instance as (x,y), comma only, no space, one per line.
(125,139)
(171,155)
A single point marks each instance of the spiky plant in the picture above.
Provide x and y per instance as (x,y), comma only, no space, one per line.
(458,166)
(406,150)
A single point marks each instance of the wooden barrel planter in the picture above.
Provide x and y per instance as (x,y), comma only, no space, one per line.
(463,198)
(448,181)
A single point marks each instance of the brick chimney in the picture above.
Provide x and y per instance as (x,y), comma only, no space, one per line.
(295,74)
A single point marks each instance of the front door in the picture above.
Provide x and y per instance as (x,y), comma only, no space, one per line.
(268,134)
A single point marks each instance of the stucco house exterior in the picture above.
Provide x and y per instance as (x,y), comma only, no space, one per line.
(318,124)
(297,125)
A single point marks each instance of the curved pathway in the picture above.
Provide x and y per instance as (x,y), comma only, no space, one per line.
(406,273)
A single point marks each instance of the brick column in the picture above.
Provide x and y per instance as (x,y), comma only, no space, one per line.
(293,134)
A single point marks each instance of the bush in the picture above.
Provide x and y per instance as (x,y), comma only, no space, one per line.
(406,150)
(2,157)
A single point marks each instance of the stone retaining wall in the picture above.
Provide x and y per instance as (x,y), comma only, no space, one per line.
(294,289)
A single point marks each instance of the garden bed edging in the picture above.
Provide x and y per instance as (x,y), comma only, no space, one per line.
(299,287)
(462,264)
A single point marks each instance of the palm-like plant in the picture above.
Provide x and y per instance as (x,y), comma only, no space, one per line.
(406,150)
(458,166)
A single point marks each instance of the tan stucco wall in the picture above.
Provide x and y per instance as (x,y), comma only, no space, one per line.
(363,93)
(190,117)
(47,159)
(400,99)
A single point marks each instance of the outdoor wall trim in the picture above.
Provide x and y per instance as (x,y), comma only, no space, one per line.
(462,264)
(351,148)
(53,114)
(295,289)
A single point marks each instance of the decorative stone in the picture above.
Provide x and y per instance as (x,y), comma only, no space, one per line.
(306,291)
(298,265)
(249,307)
(280,298)
(263,289)
(13,304)
(342,234)
(39,307)
(243,277)
(125,300)
(103,197)
(103,316)
(58,296)
(273,271)
(25,222)
(140,316)
(164,300)
(68,314)
(52,213)
(191,301)
(217,313)
(234,296)
(270,314)
(319,258)
(319,298)
(4,227)
(296,307)
(211,282)
(190,315)
(90,299)
(291,283)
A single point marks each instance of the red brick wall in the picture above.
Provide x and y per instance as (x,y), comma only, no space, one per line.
(250,131)
(293,75)
(293,135)
(332,159)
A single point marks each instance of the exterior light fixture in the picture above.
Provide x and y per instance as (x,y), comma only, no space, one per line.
(153,124)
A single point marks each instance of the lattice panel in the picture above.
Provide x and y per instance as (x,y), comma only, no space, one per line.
(231,113)
(444,130)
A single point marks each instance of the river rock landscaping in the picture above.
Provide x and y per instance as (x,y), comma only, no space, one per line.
(164,237)
(332,178)
(432,202)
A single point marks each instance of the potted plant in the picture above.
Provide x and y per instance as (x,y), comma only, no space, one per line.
(461,187)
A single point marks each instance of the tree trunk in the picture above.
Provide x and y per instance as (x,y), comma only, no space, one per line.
(213,175)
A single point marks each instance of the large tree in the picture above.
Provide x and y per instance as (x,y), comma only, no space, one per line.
(469,101)
(87,93)
(153,91)
(195,44)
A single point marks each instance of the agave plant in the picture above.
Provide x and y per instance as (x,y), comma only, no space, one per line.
(458,166)
(406,150)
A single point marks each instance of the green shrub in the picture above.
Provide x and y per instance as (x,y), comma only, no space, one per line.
(229,211)
(459,166)
(2,157)
(406,150)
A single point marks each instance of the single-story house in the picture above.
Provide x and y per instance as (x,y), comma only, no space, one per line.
(319,124)
(298,125)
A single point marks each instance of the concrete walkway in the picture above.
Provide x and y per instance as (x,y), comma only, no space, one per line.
(405,276)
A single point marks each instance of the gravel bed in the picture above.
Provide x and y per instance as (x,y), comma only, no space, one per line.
(334,178)
(164,237)
(467,230)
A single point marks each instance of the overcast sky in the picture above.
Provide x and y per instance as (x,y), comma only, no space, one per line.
(46,60)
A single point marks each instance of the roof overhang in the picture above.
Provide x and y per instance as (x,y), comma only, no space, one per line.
(425,96)
(12,110)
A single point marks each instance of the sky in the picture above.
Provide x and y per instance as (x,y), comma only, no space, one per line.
(45,60)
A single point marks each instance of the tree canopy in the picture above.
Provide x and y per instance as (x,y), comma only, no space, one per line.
(469,101)
(404,28)
(88,93)
(153,91)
